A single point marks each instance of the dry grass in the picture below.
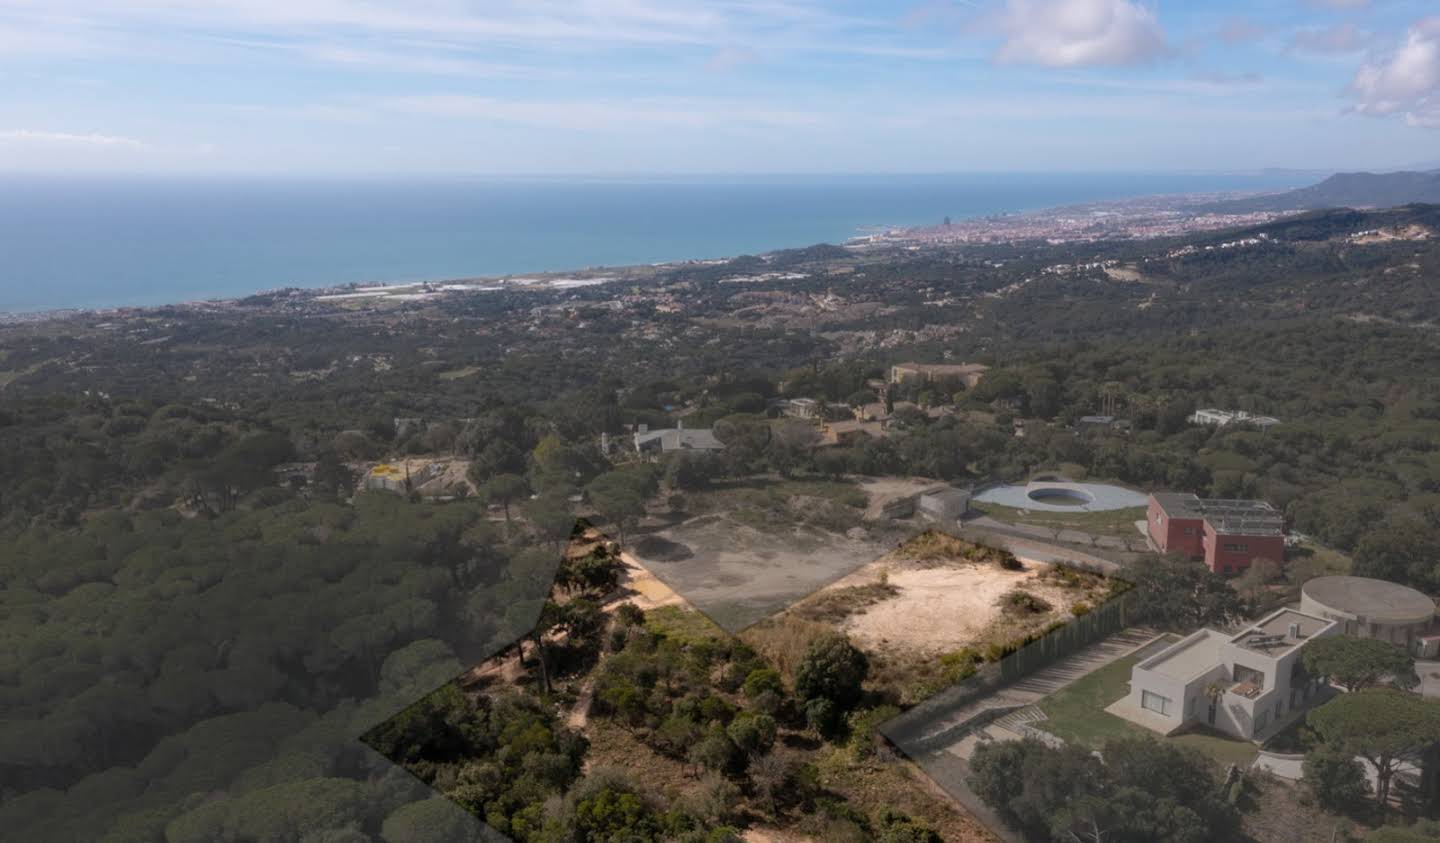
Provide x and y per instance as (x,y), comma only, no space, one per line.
(933,546)
(833,606)
(784,640)
(875,784)
(611,745)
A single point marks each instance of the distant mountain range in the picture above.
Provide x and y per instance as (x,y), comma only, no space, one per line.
(1344,190)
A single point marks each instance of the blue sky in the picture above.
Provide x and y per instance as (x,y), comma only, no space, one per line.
(683,86)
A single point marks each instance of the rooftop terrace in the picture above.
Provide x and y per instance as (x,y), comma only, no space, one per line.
(1281,632)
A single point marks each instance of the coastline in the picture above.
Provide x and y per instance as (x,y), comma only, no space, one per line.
(1156,215)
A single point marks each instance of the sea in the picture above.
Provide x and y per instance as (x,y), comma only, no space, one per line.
(99,242)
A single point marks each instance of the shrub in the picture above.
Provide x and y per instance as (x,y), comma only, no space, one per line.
(713,801)
(892,826)
(715,751)
(628,614)
(753,734)
(771,777)
(1335,778)
(865,726)
(822,716)
(767,702)
(833,669)
(1023,602)
(761,680)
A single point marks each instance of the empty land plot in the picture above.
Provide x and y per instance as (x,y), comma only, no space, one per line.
(914,606)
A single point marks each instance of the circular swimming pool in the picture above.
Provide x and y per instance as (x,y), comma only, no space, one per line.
(1058,495)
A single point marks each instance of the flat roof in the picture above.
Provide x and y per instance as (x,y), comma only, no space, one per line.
(1187,658)
(1377,601)
(678,439)
(944,368)
(1271,635)
(1225,515)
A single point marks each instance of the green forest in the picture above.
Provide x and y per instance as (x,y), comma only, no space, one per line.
(191,641)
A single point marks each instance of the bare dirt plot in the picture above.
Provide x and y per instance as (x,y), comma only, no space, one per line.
(941,609)
(925,601)
(936,610)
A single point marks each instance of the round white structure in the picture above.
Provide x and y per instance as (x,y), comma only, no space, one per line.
(1059,495)
(1370,608)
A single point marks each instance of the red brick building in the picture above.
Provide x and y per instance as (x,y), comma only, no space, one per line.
(1228,535)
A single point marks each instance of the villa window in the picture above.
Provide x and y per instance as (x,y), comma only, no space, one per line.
(1155,702)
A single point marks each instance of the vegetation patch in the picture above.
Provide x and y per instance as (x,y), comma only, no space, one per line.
(835,605)
(1023,603)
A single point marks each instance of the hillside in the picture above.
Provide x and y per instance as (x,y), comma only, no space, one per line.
(1344,190)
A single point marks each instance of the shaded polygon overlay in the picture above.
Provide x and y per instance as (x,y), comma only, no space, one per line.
(514,614)
(929,733)
(436,816)
(448,820)
(739,573)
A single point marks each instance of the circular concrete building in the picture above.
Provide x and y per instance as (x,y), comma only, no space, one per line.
(1370,608)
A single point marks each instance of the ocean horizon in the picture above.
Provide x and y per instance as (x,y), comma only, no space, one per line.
(96,242)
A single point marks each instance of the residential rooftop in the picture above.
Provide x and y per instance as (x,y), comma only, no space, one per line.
(680,439)
(1189,657)
(1281,632)
(944,368)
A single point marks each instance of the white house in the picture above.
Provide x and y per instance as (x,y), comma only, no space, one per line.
(675,439)
(1220,418)
(1245,684)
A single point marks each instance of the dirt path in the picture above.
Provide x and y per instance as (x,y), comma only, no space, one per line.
(580,715)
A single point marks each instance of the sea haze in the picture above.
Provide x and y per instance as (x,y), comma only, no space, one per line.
(72,242)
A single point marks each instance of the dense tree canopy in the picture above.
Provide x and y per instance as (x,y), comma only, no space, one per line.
(1142,791)
(1379,724)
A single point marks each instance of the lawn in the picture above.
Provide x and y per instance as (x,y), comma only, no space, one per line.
(1077,714)
(1116,522)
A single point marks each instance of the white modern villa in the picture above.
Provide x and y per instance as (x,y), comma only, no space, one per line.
(1246,684)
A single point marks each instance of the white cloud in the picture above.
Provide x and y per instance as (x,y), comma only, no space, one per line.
(1340,5)
(1405,82)
(1079,33)
(34,136)
(537,27)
